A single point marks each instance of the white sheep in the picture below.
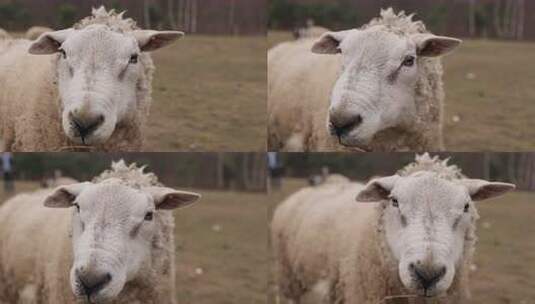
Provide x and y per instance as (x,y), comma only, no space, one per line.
(378,88)
(4,34)
(35,31)
(416,240)
(310,32)
(87,87)
(112,240)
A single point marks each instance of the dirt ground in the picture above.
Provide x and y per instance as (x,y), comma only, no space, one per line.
(489,95)
(505,252)
(221,247)
(209,95)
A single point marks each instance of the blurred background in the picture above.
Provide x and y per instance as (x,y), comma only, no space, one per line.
(490,97)
(209,89)
(221,254)
(504,264)
(505,19)
(225,17)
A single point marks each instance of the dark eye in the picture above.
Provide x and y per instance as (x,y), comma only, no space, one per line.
(394,202)
(133,59)
(408,61)
(466,207)
(62,52)
(148,216)
(77,207)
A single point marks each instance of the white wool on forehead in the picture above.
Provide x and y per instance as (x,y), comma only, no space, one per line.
(130,175)
(113,20)
(425,162)
(398,23)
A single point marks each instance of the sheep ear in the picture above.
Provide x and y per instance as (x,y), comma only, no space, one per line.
(329,42)
(378,189)
(64,196)
(429,45)
(481,189)
(49,43)
(167,198)
(152,40)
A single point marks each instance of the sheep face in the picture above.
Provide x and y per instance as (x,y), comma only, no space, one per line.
(429,224)
(113,230)
(376,87)
(98,73)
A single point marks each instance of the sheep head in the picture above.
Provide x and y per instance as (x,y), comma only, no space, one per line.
(376,88)
(113,231)
(98,72)
(429,225)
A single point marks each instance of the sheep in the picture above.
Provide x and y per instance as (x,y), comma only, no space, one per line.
(416,240)
(310,32)
(382,91)
(58,181)
(115,244)
(35,31)
(4,34)
(89,87)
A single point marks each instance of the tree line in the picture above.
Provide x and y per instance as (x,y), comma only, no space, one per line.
(503,19)
(225,171)
(225,17)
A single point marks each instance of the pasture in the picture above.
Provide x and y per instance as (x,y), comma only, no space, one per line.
(209,94)
(221,254)
(505,253)
(490,96)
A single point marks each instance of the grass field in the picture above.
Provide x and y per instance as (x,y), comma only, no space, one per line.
(209,95)
(505,253)
(221,254)
(490,90)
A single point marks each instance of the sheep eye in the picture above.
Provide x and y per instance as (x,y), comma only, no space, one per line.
(148,216)
(408,61)
(133,59)
(466,207)
(395,202)
(64,55)
(77,207)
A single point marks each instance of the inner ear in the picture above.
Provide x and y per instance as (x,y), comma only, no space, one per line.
(49,43)
(64,196)
(428,45)
(152,40)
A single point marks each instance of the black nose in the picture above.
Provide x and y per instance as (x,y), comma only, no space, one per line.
(93,282)
(341,126)
(427,276)
(85,126)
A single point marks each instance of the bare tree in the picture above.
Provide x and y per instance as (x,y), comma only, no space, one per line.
(146,14)
(170,14)
(472,18)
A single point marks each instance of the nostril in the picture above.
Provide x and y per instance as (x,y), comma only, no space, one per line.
(428,276)
(341,127)
(92,284)
(358,120)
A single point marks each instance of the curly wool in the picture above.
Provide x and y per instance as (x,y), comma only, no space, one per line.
(362,271)
(39,104)
(41,274)
(299,125)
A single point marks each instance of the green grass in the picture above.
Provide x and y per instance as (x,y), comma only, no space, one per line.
(497,108)
(209,95)
(505,252)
